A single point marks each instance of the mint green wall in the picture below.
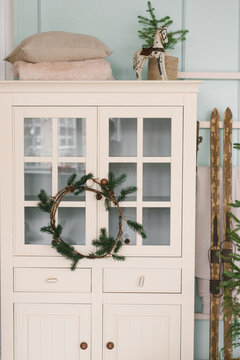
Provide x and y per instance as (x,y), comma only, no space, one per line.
(212,45)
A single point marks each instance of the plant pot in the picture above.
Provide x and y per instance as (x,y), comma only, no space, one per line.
(171,64)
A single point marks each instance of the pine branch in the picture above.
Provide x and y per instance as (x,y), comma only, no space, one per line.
(114,182)
(118,257)
(236,146)
(68,252)
(236,204)
(46,202)
(137,227)
(152,24)
(71,179)
(58,231)
(107,204)
(118,246)
(125,192)
(47,229)
(78,184)
(104,244)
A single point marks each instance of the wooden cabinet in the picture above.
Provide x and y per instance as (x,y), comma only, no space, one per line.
(52,332)
(141,332)
(142,308)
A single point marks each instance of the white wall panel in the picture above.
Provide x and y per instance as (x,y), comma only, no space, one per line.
(214,35)
(26,19)
(113,22)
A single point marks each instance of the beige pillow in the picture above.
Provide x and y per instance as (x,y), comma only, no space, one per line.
(58,46)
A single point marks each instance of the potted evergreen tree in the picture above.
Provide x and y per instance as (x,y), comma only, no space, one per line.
(147,33)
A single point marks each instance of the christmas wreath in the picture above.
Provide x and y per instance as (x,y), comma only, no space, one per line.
(106,246)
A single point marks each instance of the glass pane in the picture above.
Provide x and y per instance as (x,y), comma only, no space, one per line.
(130,169)
(73,223)
(122,137)
(156,182)
(34,220)
(64,172)
(71,136)
(129,214)
(156,223)
(37,137)
(156,137)
(37,176)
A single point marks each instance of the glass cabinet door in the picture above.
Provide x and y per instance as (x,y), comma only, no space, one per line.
(146,144)
(50,145)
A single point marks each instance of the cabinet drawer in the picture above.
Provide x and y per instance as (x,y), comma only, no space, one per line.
(142,280)
(52,280)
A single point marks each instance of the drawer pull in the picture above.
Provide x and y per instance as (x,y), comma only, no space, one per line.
(110,345)
(141,281)
(83,345)
(52,280)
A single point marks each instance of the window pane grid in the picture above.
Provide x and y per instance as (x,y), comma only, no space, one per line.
(35,165)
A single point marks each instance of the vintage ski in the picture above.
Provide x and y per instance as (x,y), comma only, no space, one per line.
(215,236)
(227,198)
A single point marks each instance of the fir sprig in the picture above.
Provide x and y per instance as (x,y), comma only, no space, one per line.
(137,227)
(45,202)
(151,25)
(125,192)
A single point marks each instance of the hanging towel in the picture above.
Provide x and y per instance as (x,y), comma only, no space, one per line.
(203,226)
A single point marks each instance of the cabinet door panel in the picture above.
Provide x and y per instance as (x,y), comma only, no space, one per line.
(142,332)
(52,332)
(146,145)
(50,145)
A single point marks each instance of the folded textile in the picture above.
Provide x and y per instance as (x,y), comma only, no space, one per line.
(97,69)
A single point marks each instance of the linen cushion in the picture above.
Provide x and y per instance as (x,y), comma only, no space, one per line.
(95,69)
(58,46)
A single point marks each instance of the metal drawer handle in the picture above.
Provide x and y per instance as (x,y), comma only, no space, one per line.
(141,281)
(52,280)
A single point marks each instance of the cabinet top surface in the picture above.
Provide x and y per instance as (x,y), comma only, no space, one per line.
(117,86)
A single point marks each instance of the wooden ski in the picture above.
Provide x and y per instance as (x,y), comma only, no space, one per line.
(215,236)
(227,224)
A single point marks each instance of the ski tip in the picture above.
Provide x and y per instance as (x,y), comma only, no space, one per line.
(228,113)
(214,113)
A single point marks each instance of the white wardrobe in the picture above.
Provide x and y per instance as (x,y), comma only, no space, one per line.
(139,309)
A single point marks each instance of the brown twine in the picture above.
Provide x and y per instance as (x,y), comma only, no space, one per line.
(70,189)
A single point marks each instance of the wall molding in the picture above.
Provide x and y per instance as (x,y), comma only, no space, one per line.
(6,36)
(210,75)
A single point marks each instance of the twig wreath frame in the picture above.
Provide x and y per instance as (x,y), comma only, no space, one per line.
(106,246)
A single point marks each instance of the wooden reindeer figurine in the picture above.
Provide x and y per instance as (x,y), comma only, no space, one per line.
(156,51)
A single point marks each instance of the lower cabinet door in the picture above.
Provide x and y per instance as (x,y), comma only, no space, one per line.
(141,332)
(52,332)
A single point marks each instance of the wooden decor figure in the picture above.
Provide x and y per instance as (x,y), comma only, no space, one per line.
(156,51)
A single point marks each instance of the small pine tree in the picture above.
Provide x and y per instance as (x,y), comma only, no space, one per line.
(152,24)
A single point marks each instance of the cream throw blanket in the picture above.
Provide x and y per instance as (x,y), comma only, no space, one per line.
(97,69)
